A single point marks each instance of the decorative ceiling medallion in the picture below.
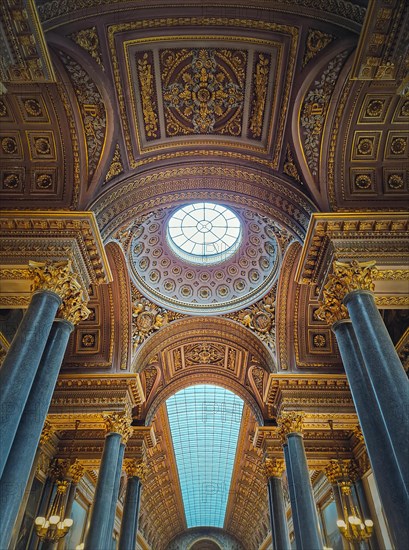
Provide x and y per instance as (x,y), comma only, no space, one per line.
(203,90)
(191,90)
(176,284)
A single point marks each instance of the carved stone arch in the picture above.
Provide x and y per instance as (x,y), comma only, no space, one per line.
(330,53)
(199,350)
(121,294)
(233,185)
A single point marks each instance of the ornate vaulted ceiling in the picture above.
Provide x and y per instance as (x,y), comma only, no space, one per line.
(275,109)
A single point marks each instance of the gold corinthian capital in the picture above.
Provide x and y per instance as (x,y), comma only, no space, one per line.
(119,423)
(59,278)
(344,278)
(290,422)
(274,467)
(136,468)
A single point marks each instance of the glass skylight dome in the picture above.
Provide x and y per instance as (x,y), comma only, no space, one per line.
(204,233)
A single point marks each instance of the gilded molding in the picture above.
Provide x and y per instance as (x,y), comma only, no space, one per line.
(46,433)
(273,467)
(291,422)
(135,468)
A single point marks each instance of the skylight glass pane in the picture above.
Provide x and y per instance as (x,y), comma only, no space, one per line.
(204,423)
(205,226)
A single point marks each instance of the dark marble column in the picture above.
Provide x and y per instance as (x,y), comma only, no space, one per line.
(96,539)
(381,451)
(294,512)
(114,503)
(279,529)
(21,363)
(17,469)
(310,537)
(385,372)
(129,525)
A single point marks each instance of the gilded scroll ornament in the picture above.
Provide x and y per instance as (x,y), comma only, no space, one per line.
(260,318)
(116,166)
(146,81)
(135,468)
(291,422)
(290,167)
(147,318)
(46,433)
(89,41)
(274,467)
(260,94)
(118,423)
(316,41)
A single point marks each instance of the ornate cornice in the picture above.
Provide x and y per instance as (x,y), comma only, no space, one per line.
(45,237)
(359,236)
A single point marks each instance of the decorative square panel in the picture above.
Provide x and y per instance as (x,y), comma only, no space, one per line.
(33,108)
(395,180)
(397,145)
(401,113)
(192,91)
(366,145)
(6,113)
(41,145)
(12,180)
(87,341)
(375,108)
(319,341)
(10,145)
(362,180)
(203,90)
(44,180)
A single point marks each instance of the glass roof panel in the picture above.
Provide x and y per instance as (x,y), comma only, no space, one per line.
(204,423)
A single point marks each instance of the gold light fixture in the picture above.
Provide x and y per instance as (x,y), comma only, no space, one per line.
(352,527)
(54,527)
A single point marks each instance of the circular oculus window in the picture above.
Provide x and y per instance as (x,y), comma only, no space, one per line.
(204,233)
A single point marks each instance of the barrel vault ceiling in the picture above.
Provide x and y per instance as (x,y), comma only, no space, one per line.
(276,109)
